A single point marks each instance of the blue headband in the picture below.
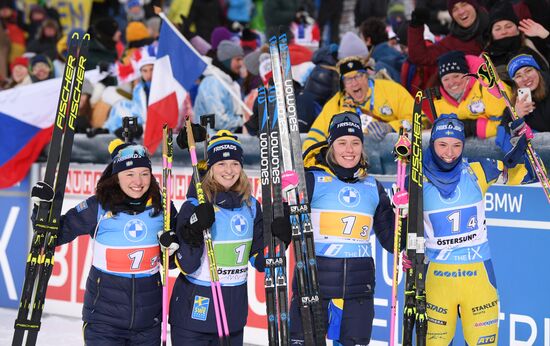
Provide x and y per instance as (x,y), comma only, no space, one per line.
(520,61)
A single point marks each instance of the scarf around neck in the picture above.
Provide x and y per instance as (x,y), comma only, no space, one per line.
(445,179)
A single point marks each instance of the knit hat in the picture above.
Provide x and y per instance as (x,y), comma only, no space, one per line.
(252,62)
(227,50)
(200,44)
(136,31)
(128,155)
(452,3)
(224,145)
(502,11)
(219,34)
(452,62)
(447,125)
(520,61)
(352,45)
(350,64)
(249,40)
(40,58)
(344,124)
(20,60)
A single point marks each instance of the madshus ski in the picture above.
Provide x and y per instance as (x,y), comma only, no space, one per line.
(313,319)
(40,260)
(415,295)
(275,281)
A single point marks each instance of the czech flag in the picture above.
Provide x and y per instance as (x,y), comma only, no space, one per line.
(176,69)
(26,122)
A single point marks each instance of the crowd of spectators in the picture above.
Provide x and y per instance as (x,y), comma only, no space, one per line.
(373,68)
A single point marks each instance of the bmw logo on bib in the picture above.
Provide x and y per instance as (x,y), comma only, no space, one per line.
(135,230)
(349,196)
(239,225)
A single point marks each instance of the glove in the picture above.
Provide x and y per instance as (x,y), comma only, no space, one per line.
(406,263)
(377,130)
(202,218)
(42,192)
(519,128)
(400,201)
(281,228)
(199,134)
(289,181)
(420,16)
(168,241)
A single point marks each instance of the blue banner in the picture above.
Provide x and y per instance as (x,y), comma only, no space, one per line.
(518,219)
(14,225)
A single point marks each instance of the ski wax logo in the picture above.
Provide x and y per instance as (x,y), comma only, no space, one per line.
(239,225)
(487,340)
(349,196)
(135,230)
(200,308)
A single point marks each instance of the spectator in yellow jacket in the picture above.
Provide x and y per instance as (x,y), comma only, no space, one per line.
(475,106)
(382,104)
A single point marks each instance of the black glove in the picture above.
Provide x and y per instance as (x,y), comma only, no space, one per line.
(420,16)
(169,241)
(282,229)
(199,134)
(42,192)
(202,218)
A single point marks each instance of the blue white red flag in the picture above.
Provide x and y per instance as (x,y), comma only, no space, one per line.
(177,68)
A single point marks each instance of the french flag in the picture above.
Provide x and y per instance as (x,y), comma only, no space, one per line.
(26,122)
(176,69)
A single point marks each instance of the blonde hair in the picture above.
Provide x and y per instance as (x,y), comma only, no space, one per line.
(242,187)
(331,161)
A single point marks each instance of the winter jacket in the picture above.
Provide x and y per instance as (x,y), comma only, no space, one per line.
(480,110)
(322,82)
(341,275)
(392,104)
(538,119)
(239,10)
(278,13)
(191,305)
(421,54)
(213,98)
(364,9)
(389,58)
(126,301)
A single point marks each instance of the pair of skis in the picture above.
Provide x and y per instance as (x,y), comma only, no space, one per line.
(281,145)
(167,159)
(415,295)
(275,280)
(40,260)
(217,296)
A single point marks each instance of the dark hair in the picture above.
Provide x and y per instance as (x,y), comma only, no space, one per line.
(375,29)
(109,193)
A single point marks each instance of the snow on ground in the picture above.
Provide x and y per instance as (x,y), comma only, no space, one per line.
(55,330)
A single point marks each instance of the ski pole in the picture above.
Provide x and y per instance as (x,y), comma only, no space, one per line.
(217,297)
(402,150)
(167,156)
(207,121)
